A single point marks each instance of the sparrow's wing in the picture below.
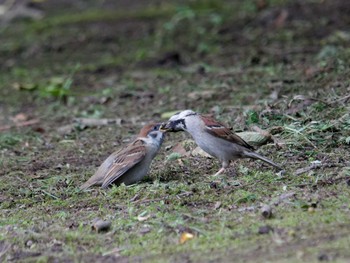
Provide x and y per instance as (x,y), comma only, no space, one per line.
(219,130)
(120,162)
(99,175)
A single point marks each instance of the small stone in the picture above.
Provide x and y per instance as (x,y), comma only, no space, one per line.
(265,230)
(29,243)
(323,257)
(291,233)
(213,185)
(145,230)
(167,148)
(311,209)
(99,225)
(217,205)
(348,182)
(266,211)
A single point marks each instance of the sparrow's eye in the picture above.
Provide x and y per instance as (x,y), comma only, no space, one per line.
(156,127)
(155,135)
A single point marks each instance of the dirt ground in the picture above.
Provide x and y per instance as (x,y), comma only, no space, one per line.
(79,78)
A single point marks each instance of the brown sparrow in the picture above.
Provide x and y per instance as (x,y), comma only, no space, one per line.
(213,137)
(130,164)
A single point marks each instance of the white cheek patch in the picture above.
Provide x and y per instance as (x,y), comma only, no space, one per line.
(180,124)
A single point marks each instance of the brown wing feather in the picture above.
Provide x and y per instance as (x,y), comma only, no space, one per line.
(120,162)
(99,175)
(218,129)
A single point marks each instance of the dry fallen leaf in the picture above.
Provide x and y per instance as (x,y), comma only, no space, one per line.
(255,138)
(199,152)
(20,117)
(185,237)
(180,149)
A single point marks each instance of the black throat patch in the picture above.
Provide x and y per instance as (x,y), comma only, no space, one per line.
(179,125)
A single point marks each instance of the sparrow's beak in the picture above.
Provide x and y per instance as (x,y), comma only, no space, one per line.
(166,126)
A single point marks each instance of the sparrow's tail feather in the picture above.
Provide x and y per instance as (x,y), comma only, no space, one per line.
(90,182)
(255,155)
(85,185)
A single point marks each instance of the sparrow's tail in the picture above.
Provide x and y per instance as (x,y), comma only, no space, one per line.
(86,185)
(92,181)
(255,155)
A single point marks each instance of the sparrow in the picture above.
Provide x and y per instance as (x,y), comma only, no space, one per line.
(214,138)
(130,164)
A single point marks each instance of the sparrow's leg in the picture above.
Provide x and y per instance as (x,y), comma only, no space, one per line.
(224,165)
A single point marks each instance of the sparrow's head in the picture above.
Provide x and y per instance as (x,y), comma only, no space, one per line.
(178,122)
(152,131)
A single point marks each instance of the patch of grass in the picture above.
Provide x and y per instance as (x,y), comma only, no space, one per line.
(9,139)
(91,16)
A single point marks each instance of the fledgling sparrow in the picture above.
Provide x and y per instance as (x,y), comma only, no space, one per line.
(213,137)
(130,164)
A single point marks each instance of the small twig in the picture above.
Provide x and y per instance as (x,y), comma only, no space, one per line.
(324,182)
(148,200)
(184,194)
(279,51)
(135,198)
(114,252)
(302,97)
(20,124)
(315,166)
(340,99)
(4,249)
(308,168)
(247,209)
(51,195)
(286,195)
(98,122)
(290,117)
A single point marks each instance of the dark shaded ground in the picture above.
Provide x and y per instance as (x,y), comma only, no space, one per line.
(281,64)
